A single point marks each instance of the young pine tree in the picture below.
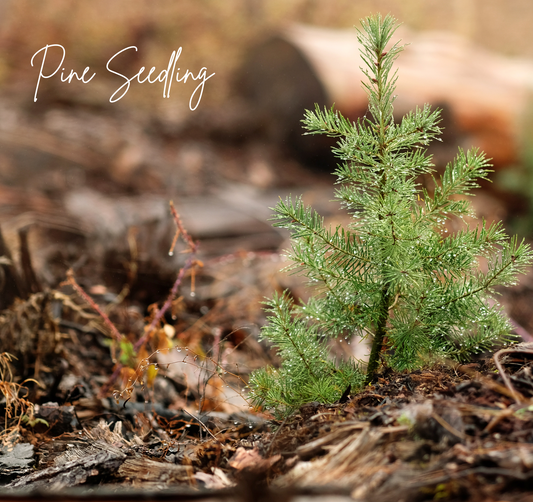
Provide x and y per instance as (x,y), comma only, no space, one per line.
(394,275)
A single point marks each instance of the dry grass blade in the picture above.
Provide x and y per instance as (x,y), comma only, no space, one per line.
(16,407)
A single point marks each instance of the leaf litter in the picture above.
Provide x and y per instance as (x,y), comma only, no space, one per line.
(182,423)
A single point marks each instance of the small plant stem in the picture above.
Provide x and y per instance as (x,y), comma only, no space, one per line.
(386,297)
(379,336)
(189,264)
(168,303)
(71,281)
(203,425)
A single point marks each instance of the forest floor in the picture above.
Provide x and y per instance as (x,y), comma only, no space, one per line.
(120,391)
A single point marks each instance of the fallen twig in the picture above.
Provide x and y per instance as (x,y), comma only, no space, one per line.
(526,348)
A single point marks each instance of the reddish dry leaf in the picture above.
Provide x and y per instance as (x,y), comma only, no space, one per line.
(252,460)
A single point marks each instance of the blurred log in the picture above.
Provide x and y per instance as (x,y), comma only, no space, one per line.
(484,95)
(11,285)
(278,82)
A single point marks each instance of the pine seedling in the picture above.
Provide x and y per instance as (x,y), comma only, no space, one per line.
(395,274)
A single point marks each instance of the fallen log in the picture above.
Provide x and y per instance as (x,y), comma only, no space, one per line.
(485,96)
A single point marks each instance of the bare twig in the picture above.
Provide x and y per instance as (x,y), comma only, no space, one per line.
(491,384)
(193,246)
(271,446)
(450,428)
(526,348)
(72,282)
(202,424)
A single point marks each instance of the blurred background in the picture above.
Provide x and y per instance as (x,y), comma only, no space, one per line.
(81,178)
